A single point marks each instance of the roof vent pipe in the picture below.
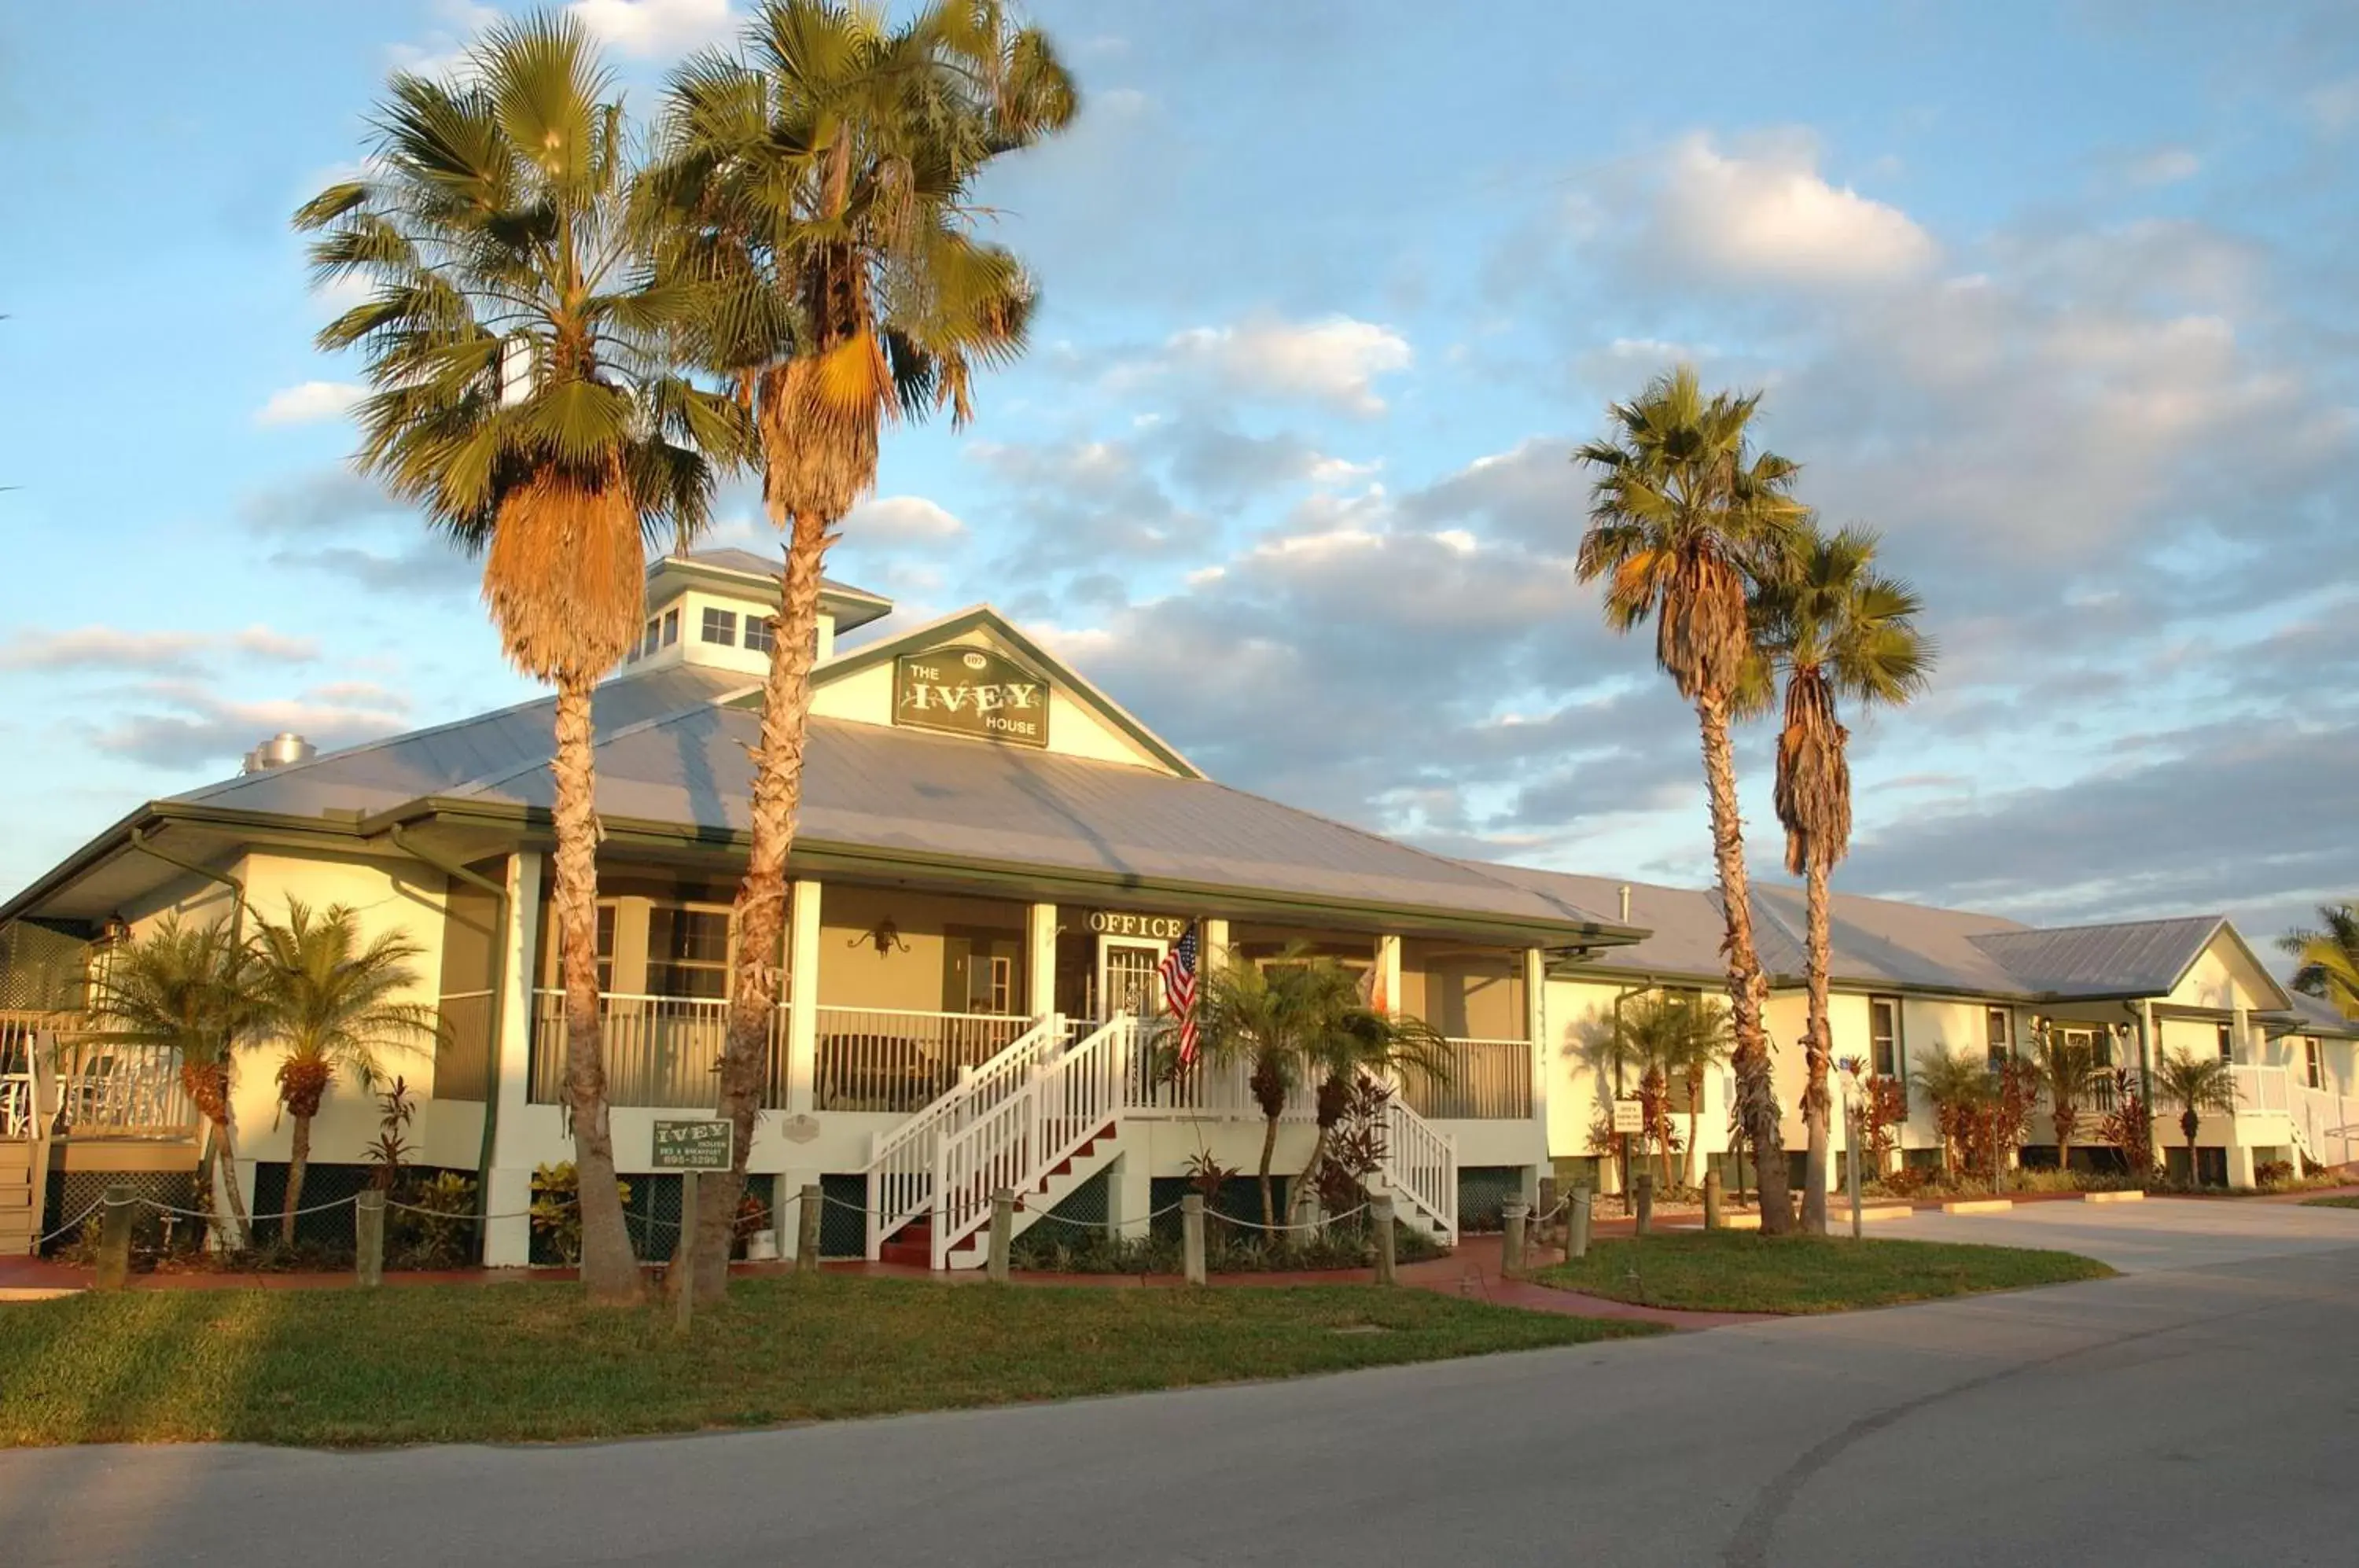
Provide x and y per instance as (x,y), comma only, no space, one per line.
(1626,903)
(280,749)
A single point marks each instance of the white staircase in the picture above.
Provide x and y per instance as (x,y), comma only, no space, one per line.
(1046,1115)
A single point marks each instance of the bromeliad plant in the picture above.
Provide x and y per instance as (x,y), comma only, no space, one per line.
(330,1004)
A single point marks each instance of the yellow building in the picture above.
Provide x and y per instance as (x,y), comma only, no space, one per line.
(993,859)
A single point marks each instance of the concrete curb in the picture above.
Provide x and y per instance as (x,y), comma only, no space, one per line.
(2131,1195)
(1978,1206)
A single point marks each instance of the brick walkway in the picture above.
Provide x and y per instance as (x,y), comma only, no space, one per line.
(1473,1271)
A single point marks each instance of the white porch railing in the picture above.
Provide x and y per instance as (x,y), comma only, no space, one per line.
(1490,1080)
(905,1166)
(1205,1090)
(2326,1125)
(17,1119)
(663,1052)
(884,1059)
(1060,1102)
(1421,1165)
(2260,1090)
(20,1038)
(120,1091)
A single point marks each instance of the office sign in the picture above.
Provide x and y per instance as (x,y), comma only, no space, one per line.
(971,691)
(1150,928)
(693,1146)
(1629,1116)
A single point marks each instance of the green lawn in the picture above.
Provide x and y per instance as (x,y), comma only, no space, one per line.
(1738,1271)
(532,1362)
(2344,1203)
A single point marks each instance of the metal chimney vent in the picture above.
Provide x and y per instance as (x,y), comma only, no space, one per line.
(280,749)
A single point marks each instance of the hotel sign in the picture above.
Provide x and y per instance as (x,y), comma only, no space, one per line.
(693,1146)
(1121,922)
(971,691)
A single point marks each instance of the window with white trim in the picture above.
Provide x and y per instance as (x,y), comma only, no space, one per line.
(688,950)
(761,632)
(720,626)
(1999,1033)
(1883,1036)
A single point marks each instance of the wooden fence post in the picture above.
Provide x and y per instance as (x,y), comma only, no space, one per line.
(1380,1214)
(1576,1223)
(115,1238)
(1512,1217)
(1191,1237)
(1646,1220)
(368,1237)
(1003,1232)
(806,1230)
(1711,1216)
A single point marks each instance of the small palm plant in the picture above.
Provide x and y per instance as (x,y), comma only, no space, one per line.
(187,989)
(1959,1090)
(1253,1016)
(2196,1084)
(1691,1038)
(331,1003)
(1346,1042)
(2072,1073)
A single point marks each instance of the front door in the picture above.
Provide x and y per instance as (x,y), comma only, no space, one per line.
(1127,981)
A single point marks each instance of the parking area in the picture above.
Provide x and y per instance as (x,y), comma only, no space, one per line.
(2161,1233)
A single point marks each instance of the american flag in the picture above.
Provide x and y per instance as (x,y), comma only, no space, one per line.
(1178,972)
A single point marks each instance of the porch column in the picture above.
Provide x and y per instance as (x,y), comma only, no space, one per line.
(1536,1033)
(508,1185)
(1214,945)
(802,995)
(2147,1045)
(1388,972)
(1130,1187)
(1040,960)
(2241,1043)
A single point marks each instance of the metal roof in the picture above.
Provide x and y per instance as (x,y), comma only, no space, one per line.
(2133,958)
(904,791)
(2316,1015)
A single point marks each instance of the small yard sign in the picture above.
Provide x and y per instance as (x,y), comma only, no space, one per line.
(1629,1115)
(693,1146)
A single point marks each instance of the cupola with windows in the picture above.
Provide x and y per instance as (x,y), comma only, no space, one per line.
(716,608)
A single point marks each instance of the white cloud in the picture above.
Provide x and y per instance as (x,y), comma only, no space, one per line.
(657,29)
(1334,361)
(1765,211)
(2163,166)
(188,725)
(443,49)
(2334,106)
(900,520)
(98,648)
(308,402)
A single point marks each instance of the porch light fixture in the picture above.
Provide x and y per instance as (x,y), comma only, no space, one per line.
(885,936)
(116,928)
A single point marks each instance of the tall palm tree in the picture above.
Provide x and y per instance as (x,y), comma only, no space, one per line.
(2196,1084)
(1691,1039)
(1841,631)
(2327,957)
(1681,510)
(816,187)
(1346,1039)
(523,402)
(331,1002)
(2072,1073)
(187,989)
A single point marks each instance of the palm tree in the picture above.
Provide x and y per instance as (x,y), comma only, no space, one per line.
(1960,1091)
(815,189)
(1691,1039)
(1344,1039)
(523,402)
(1255,1016)
(329,1001)
(1841,631)
(2327,957)
(1681,507)
(187,989)
(2072,1072)
(2196,1084)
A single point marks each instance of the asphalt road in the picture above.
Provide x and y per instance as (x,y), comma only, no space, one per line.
(2186,1414)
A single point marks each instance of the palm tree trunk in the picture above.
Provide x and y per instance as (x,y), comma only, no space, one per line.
(609,1272)
(1817,1103)
(1299,1201)
(1695,1153)
(1268,1152)
(761,909)
(226,1194)
(2064,1119)
(299,1161)
(1748,991)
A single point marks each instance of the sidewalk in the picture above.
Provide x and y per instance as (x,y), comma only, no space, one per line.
(1473,1271)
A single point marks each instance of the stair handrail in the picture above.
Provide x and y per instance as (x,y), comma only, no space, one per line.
(1064,1101)
(1420,1164)
(904,1163)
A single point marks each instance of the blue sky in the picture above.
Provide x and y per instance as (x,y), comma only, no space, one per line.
(2056,296)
